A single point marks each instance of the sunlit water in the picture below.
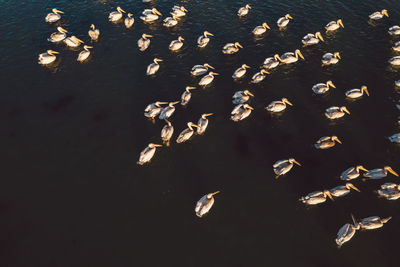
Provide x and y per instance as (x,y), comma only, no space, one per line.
(73,195)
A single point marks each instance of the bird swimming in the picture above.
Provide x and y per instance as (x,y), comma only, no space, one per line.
(326,142)
(282,167)
(380,173)
(352,173)
(396,46)
(395,61)
(203,40)
(240,72)
(390,191)
(175,45)
(203,123)
(271,62)
(207,79)
(73,41)
(58,36)
(322,88)
(198,70)
(357,93)
(129,21)
(179,11)
(54,16)
(94,33)
(166,132)
(48,57)
(241,97)
(147,154)
(379,15)
(259,30)
(394,30)
(330,59)
(240,112)
(231,48)
(83,55)
(154,109)
(186,134)
(170,22)
(316,197)
(334,25)
(290,57)
(312,39)
(346,232)
(284,21)
(167,112)
(373,222)
(143,43)
(259,76)
(395,138)
(116,16)
(278,106)
(186,95)
(153,67)
(342,190)
(336,112)
(204,205)
(150,15)
(243,11)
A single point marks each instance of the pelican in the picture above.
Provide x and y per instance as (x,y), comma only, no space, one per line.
(241,112)
(54,15)
(390,191)
(342,190)
(94,33)
(373,222)
(175,45)
(58,36)
(316,197)
(336,112)
(204,204)
(153,67)
(116,15)
(170,21)
(326,142)
(241,97)
(167,112)
(187,133)
(154,109)
(243,11)
(48,57)
(330,59)
(278,106)
(395,138)
(394,30)
(290,57)
(240,72)
(185,98)
(198,70)
(147,154)
(322,88)
(150,15)
(83,55)
(207,79)
(259,30)
(395,61)
(166,132)
(334,25)
(356,93)
(346,232)
(271,62)
(379,15)
(73,41)
(352,173)
(284,21)
(259,76)
(396,47)
(129,21)
(397,83)
(203,123)
(312,39)
(282,167)
(380,173)
(143,43)
(203,40)
(179,11)
(231,48)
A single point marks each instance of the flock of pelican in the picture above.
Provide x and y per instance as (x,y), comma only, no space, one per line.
(165,110)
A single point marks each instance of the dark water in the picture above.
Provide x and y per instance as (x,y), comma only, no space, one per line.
(71,193)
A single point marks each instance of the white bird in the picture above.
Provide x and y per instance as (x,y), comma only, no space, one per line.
(143,43)
(395,61)
(167,112)
(166,132)
(153,67)
(312,39)
(380,173)
(179,11)
(326,142)
(54,16)
(352,173)
(259,76)
(170,22)
(186,134)
(240,112)
(240,72)
(204,205)
(396,46)
(150,15)
(203,123)
(94,33)
(198,70)
(48,57)
(129,21)
(278,106)
(322,88)
(342,190)
(395,138)
(231,48)
(116,16)
(284,21)
(243,11)
(356,93)
(58,36)
(203,40)
(346,232)
(207,79)
(373,222)
(259,30)
(271,62)
(154,109)
(336,112)
(330,59)
(73,41)
(379,15)
(316,197)
(186,95)
(83,55)
(334,25)
(241,97)
(282,167)
(147,154)
(394,30)
(290,57)
(390,191)
(175,45)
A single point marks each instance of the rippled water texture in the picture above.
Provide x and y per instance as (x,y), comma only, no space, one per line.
(71,193)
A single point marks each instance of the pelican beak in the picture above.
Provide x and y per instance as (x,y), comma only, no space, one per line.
(338,55)
(162,103)
(300,54)
(157,145)
(250,107)
(214,73)
(287,102)
(248,6)
(265,25)
(320,37)
(384,12)
(120,10)
(148,35)
(264,71)
(87,46)
(340,23)
(337,139)
(392,172)
(157,12)
(194,125)
(364,88)
(250,94)
(386,219)
(244,66)
(174,103)
(63,30)
(209,66)
(53,52)
(208,114)
(184,9)
(297,162)
(329,195)
(59,11)
(289,17)
(215,193)
(238,45)
(157,60)
(330,83)
(276,57)
(362,168)
(346,110)
(209,33)
(180,38)
(355,188)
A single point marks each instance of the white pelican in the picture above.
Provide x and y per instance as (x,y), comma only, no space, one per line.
(394,30)
(395,61)
(128,21)
(397,83)
(198,70)
(54,15)
(150,15)
(379,15)
(187,133)
(94,33)
(396,46)
(326,142)
(203,40)
(271,62)
(48,57)
(346,232)
(147,154)
(330,59)
(175,45)
(259,76)
(207,79)
(240,72)
(73,41)
(312,39)
(261,29)
(204,204)
(380,173)
(336,112)
(356,93)
(290,57)
(153,67)
(316,197)
(170,22)
(116,15)
(179,11)
(187,95)
(166,132)
(373,222)
(143,43)
(322,88)
(83,55)
(203,123)
(342,190)
(352,173)
(278,106)
(390,191)
(231,48)
(241,97)
(395,138)
(154,109)
(243,11)
(334,25)
(167,112)
(284,21)
(282,167)
(241,112)
(58,36)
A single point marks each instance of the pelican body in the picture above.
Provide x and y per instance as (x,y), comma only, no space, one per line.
(396,46)
(259,30)
(175,45)
(336,112)
(373,222)
(278,106)
(166,132)
(376,174)
(116,16)
(315,198)
(379,15)
(243,11)
(179,11)
(352,173)
(390,191)
(395,61)
(312,39)
(187,95)
(334,25)
(198,70)
(203,123)
(73,41)
(54,16)
(186,134)
(231,48)
(170,22)
(204,205)
(327,142)
(322,88)
(346,232)
(207,79)
(84,55)
(154,109)
(240,112)
(282,167)
(394,30)
(129,21)
(395,138)
(342,190)
(48,57)
(330,59)
(271,62)
(58,36)
(167,112)
(147,154)
(357,93)
(150,15)
(290,57)
(143,43)
(203,40)
(94,33)
(153,67)
(259,76)
(284,21)
(240,72)
(241,97)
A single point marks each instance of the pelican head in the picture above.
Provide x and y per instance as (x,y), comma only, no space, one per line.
(244,66)
(263,71)
(340,22)
(209,196)
(328,194)
(247,106)
(208,66)
(92,27)
(171,104)
(180,38)
(265,25)
(384,12)
(151,145)
(330,83)
(237,45)
(364,89)
(292,160)
(297,52)
(358,168)
(287,16)
(156,60)
(61,29)
(335,138)
(86,47)
(319,36)
(246,92)
(205,115)
(351,186)
(389,169)
(285,100)
(56,11)
(213,73)
(76,39)
(191,124)
(344,109)
(276,57)
(155,11)
(183,9)
(207,33)
(188,88)
(120,10)
(248,6)
(130,15)
(337,55)
(144,36)
(52,52)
